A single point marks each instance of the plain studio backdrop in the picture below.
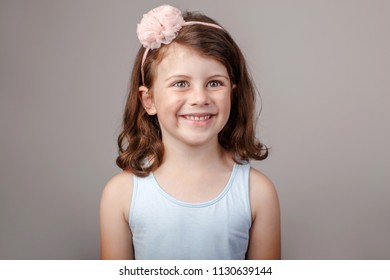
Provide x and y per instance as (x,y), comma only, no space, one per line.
(323,71)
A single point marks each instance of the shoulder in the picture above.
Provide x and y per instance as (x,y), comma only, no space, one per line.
(260,183)
(265,233)
(119,185)
(115,235)
(263,195)
(117,192)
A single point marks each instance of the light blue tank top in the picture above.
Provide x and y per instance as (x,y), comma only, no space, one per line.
(168,229)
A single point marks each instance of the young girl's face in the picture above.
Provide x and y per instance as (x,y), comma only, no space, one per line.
(191,97)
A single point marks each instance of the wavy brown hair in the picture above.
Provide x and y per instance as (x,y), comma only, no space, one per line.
(140,143)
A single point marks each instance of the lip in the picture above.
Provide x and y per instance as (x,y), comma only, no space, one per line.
(198,119)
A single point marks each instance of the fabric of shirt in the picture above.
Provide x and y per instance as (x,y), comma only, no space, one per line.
(166,228)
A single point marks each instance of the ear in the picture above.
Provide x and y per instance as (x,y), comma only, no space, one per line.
(147,100)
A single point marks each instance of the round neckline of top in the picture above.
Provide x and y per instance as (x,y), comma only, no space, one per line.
(196,204)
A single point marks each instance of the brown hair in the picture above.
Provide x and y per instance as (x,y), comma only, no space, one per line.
(140,143)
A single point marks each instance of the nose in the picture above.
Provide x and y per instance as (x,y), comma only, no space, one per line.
(200,97)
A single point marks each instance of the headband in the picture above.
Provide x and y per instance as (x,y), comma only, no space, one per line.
(161,25)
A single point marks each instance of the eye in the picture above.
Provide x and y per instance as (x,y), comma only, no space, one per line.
(214,83)
(180,84)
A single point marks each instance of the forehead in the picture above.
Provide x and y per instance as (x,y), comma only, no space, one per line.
(182,60)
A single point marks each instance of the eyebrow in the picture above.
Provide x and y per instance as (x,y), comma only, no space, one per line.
(177,76)
(188,77)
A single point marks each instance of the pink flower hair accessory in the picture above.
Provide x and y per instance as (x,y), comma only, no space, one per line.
(160,26)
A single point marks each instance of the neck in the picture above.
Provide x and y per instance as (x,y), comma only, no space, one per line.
(192,159)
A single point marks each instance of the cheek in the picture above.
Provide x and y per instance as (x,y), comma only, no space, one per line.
(168,103)
(227,108)
(225,103)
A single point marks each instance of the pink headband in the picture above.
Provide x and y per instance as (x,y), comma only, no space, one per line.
(161,25)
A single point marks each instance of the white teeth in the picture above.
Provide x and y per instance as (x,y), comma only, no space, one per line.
(197,118)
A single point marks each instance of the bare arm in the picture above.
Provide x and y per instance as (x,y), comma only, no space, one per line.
(264,236)
(115,235)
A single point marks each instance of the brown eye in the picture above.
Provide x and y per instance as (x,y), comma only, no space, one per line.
(214,84)
(180,84)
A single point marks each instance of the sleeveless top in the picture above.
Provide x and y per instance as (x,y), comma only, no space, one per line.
(168,229)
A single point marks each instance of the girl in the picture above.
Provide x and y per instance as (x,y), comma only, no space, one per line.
(187,190)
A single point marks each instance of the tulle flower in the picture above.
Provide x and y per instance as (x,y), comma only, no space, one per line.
(159,26)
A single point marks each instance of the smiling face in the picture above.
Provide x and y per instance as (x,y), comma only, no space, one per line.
(191,97)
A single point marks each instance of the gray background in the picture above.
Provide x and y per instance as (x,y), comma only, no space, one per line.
(322,68)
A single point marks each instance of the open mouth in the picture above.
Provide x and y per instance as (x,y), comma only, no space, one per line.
(197,118)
